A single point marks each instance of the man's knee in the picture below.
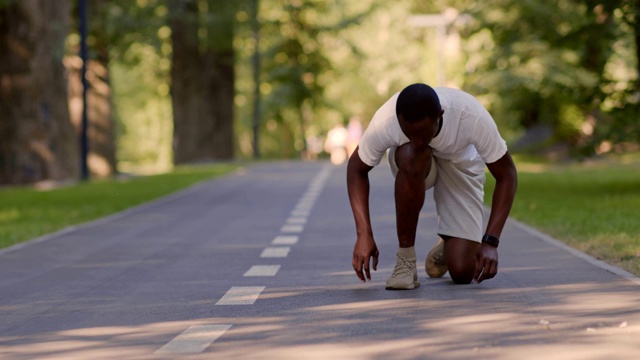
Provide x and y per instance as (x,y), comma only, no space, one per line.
(461,273)
(411,162)
(461,260)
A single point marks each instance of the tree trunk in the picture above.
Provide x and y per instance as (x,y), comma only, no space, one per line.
(223,89)
(187,81)
(37,140)
(202,83)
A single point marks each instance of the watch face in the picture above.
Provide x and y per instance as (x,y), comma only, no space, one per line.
(491,240)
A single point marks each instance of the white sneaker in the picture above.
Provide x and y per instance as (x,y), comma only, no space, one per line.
(435,264)
(405,275)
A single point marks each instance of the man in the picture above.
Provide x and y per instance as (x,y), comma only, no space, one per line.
(440,138)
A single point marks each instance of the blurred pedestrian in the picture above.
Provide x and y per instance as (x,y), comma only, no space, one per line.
(354,130)
(336,144)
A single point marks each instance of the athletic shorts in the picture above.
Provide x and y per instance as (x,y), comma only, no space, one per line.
(458,190)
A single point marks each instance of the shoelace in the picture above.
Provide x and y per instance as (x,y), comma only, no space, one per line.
(403,267)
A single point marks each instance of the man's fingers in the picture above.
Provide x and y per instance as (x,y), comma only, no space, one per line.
(482,276)
(375,261)
(366,269)
(493,270)
(360,274)
(361,265)
(357,267)
(489,270)
(482,267)
(479,266)
(365,263)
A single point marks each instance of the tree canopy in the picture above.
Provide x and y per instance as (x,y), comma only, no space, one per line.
(567,66)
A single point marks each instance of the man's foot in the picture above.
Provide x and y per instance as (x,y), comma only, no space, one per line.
(405,275)
(436,264)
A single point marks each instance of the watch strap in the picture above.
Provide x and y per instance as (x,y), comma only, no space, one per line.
(491,240)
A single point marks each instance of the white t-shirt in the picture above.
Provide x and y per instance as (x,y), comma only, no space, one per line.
(468,131)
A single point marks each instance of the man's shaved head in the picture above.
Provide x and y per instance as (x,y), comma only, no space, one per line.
(417,102)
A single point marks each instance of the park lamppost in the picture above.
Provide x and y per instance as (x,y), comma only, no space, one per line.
(255,61)
(440,22)
(84,142)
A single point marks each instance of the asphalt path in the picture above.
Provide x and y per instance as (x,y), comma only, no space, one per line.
(257,264)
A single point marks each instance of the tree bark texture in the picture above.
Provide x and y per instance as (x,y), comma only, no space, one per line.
(37,140)
(202,82)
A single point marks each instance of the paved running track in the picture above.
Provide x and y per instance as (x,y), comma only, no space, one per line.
(257,264)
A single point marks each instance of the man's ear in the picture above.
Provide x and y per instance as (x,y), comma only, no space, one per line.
(441,112)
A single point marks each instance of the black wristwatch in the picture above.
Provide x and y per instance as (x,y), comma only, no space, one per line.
(491,240)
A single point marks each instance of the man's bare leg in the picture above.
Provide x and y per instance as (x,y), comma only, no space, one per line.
(461,258)
(412,164)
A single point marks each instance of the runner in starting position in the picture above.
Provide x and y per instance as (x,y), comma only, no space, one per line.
(441,138)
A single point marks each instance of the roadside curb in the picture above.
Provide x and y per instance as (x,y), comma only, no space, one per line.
(579,254)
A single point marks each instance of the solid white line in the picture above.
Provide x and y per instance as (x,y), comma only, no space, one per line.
(241,295)
(285,240)
(275,252)
(193,340)
(263,270)
(291,228)
(593,261)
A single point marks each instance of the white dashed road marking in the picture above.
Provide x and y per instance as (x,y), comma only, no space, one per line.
(241,295)
(263,270)
(197,338)
(275,252)
(194,340)
(301,213)
(292,229)
(285,240)
(296,220)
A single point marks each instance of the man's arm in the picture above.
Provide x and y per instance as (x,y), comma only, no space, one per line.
(358,188)
(504,171)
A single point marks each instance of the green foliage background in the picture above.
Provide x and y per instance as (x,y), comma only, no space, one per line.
(568,65)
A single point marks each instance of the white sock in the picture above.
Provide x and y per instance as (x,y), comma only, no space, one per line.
(408,253)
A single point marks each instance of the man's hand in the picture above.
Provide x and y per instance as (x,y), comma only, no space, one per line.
(363,251)
(486,263)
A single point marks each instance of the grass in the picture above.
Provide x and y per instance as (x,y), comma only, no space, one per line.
(27,213)
(590,206)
